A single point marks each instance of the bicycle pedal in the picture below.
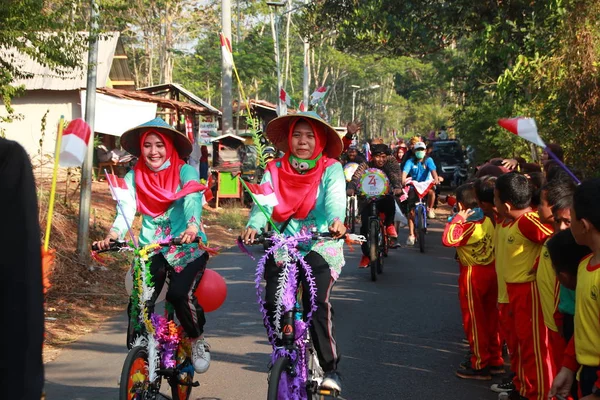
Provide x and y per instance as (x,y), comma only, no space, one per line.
(328,393)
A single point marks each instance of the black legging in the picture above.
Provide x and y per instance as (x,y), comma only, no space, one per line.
(322,329)
(386,205)
(181,292)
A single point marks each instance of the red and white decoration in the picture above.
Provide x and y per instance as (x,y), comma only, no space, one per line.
(285,97)
(523,127)
(263,194)
(226,49)
(73,147)
(118,187)
(318,94)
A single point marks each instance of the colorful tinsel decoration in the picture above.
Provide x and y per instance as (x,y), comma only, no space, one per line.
(167,337)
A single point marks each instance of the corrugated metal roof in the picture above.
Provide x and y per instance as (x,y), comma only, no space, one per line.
(45,78)
(187,93)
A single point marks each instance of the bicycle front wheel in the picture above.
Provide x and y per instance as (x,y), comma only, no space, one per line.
(421,228)
(374,247)
(279,375)
(134,377)
(186,374)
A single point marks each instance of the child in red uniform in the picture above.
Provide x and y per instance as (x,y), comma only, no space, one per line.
(556,197)
(524,239)
(583,352)
(471,232)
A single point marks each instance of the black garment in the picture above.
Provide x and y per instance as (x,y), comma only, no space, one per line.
(359,159)
(322,329)
(386,205)
(568,331)
(181,292)
(409,153)
(587,379)
(409,204)
(21,293)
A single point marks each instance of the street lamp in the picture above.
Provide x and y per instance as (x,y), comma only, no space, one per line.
(359,90)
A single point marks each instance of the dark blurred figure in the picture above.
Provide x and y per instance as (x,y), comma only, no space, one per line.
(22,304)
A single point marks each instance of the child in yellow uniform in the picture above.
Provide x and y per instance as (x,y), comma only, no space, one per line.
(471,232)
(584,347)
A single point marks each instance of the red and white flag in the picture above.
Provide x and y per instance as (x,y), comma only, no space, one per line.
(207,194)
(189,129)
(73,147)
(523,127)
(318,94)
(226,49)
(285,97)
(263,194)
(302,107)
(118,187)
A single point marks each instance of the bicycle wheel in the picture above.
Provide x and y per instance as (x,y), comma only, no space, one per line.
(186,375)
(352,216)
(277,376)
(374,247)
(382,248)
(134,377)
(421,228)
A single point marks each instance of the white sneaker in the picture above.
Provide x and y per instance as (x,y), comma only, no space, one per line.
(200,355)
(410,241)
(430,214)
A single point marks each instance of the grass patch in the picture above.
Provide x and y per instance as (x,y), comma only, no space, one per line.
(231,218)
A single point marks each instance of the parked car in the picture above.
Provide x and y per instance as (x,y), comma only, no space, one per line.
(451,160)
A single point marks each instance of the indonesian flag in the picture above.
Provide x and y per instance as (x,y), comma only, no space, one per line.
(285,97)
(302,107)
(263,194)
(73,147)
(118,187)
(523,127)
(226,49)
(189,129)
(422,188)
(318,95)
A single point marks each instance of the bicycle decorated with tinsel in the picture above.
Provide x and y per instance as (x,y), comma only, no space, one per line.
(295,372)
(159,346)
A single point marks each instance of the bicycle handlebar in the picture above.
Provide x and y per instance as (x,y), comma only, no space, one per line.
(116,245)
(267,237)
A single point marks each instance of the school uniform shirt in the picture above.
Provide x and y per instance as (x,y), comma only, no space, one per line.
(474,240)
(417,170)
(524,240)
(549,288)
(587,313)
(500,245)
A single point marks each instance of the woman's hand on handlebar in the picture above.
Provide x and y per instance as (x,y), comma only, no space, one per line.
(248,235)
(105,244)
(189,235)
(337,229)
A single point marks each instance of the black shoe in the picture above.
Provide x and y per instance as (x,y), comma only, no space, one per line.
(497,370)
(506,387)
(477,374)
(332,380)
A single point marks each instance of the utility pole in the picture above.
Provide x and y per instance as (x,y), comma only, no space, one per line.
(275,31)
(306,81)
(83,230)
(226,71)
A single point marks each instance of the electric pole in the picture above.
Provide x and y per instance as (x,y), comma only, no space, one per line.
(226,71)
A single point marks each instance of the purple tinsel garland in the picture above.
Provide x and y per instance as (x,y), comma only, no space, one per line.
(290,387)
(167,339)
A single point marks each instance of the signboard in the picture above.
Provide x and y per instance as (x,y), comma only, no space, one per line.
(374,183)
(207,130)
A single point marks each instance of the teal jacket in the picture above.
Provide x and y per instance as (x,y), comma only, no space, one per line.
(329,206)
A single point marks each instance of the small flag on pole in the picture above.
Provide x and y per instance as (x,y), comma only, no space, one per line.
(120,190)
(73,148)
(226,48)
(189,129)
(302,107)
(523,127)
(318,95)
(285,97)
(263,193)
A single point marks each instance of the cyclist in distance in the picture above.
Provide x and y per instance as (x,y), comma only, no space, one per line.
(382,160)
(310,188)
(353,155)
(166,191)
(418,169)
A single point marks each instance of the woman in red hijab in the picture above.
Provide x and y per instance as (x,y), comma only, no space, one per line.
(167,193)
(311,193)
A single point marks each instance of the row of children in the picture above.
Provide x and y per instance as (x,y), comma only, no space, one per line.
(522,247)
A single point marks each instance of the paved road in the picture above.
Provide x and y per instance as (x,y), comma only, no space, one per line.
(400,337)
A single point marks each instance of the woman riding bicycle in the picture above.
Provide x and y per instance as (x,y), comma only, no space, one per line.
(418,168)
(166,191)
(381,159)
(310,188)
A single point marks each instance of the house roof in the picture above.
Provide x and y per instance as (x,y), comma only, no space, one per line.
(191,96)
(48,79)
(161,101)
(231,135)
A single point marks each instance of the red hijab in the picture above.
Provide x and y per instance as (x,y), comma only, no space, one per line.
(296,192)
(156,191)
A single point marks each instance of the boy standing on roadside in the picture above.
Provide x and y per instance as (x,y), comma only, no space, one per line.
(524,239)
(471,232)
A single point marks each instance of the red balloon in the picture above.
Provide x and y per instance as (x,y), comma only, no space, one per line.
(212,291)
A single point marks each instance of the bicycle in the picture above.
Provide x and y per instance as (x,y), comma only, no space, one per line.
(295,372)
(374,185)
(421,189)
(351,205)
(160,348)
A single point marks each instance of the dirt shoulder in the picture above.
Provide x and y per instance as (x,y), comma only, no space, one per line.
(83,296)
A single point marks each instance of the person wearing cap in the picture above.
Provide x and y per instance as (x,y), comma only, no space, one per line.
(383,160)
(167,193)
(418,169)
(309,184)
(352,155)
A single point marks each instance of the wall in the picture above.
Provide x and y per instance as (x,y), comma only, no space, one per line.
(32,106)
